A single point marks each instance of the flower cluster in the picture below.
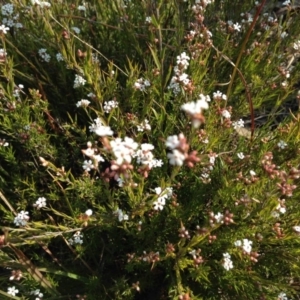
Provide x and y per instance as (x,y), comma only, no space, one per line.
(180,78)
(145,156)
(83,103)
(127,149)
(281,144)
(121,216)
(16,275)
(81,7)
(163,195)
(282,296)
(194,110)
(42,4)
(179,147)
(219,96)
(123,150)
(238,124)
(227,262)
(37,293)
(280,208)
(197,258)
(216,218)
(92,153)
(79,81)
(245,244)
(144,126)
(22,218)
(9,19)
(142,84)
(44,55)
(76,238)
(100,129)
(3,143)
(109,105)
(59,57)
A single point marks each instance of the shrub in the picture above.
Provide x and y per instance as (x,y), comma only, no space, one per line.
(149,150)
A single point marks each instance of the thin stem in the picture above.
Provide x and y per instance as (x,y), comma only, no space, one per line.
(244,46)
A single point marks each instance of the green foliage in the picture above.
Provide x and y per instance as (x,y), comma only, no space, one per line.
(126,174)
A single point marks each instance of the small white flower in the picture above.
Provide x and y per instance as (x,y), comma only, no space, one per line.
(237,27)
(159,204)
(227,262)
(37,293)
(76,238)
(238,124)
(121,216)
(81,8)
(238,243)
(109,105)
(144,126)
(79,81)
(226,114)
(247,245)
(98,158)
(44,55)
(275,214)
(88,165)
(4,29)
(7,9)
(172,142)
(297,229)
(204,98)
(40,203)
(296,45)
(184,79)
(120,182)
(284,34)
(282,296)
(148,20)
(156,163)
(219,96)
(59,57)
(103,131)
(219,218)
(193,253)
(182,60)
(91,95)
(12,291)
(22,218)
(89,212)
(282,210)
(83,103)
(252,173)
(3,54)
(141,84)
(281,144)
(42,4)
(76,30)
(176,158)
(240,155)
(195,107)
